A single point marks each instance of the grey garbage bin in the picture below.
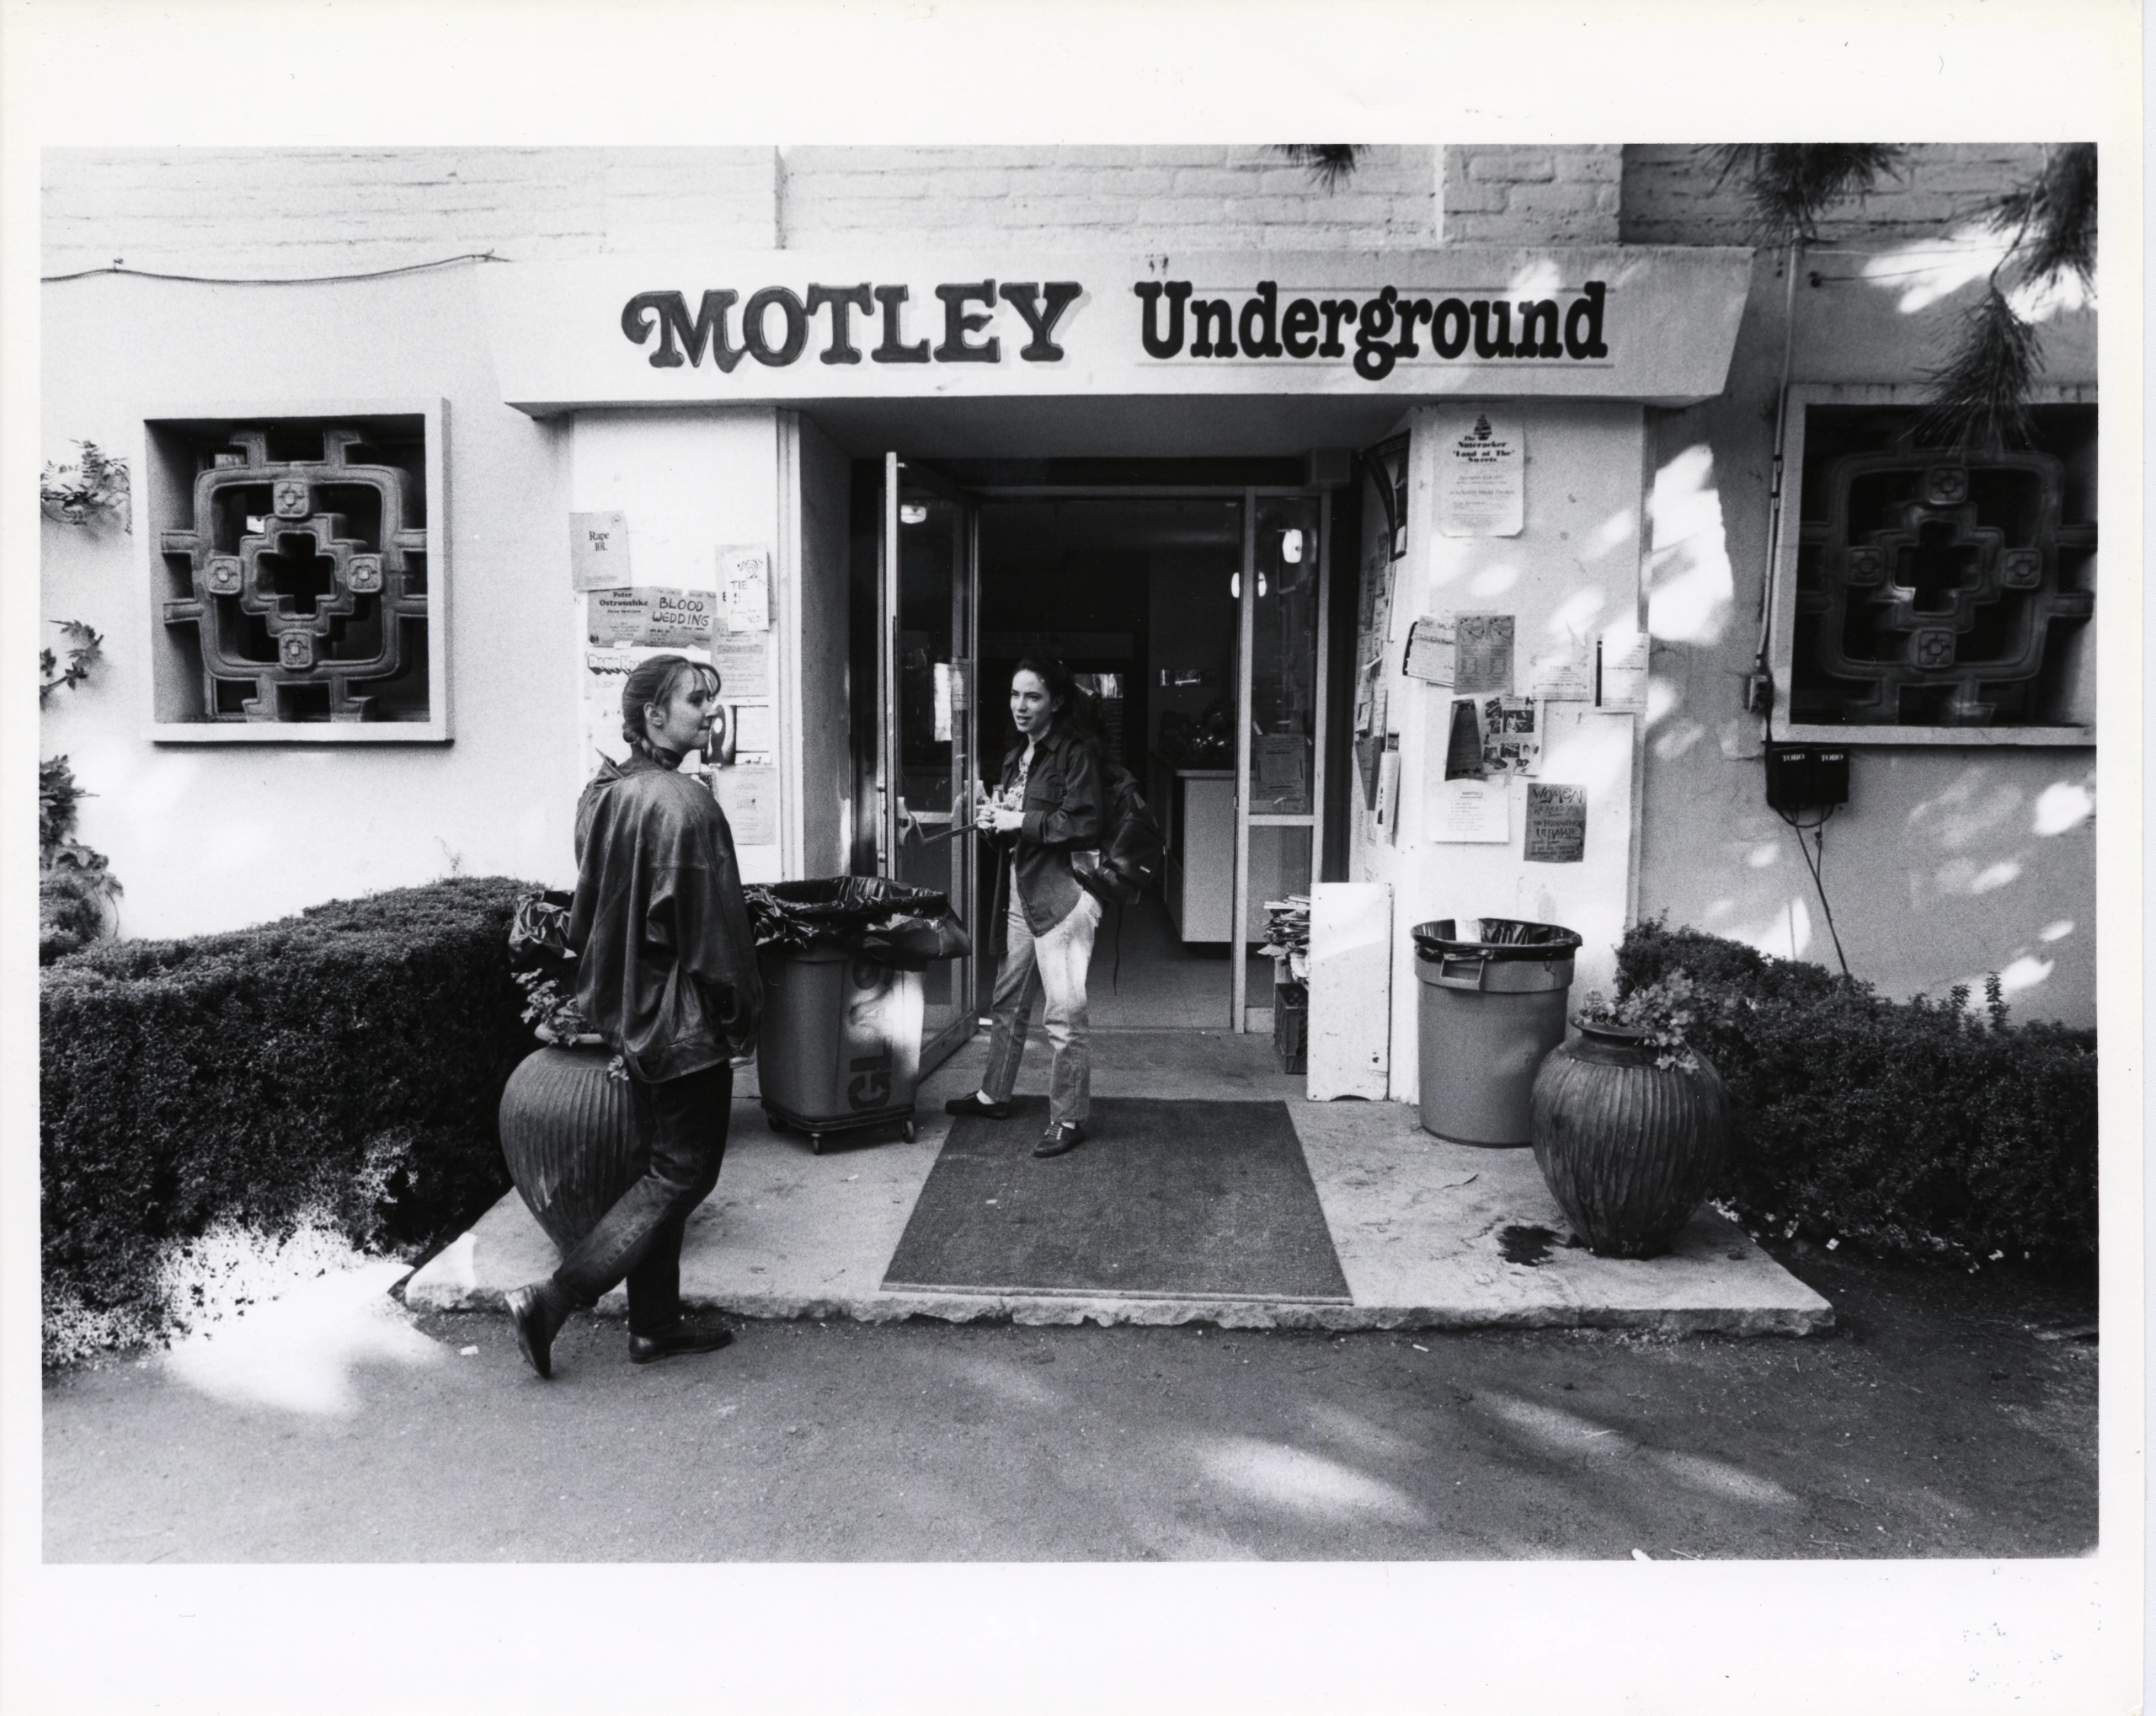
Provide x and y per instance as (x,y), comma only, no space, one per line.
(1493,1006)
(841,1048)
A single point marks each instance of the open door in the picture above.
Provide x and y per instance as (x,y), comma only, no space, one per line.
(927,586)
(1283,599)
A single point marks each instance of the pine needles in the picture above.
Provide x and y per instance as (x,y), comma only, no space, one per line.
(1980,395)
(2057,212)
(1330,164)
(1789,185)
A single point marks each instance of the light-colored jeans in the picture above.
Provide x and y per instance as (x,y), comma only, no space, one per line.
(1050,966)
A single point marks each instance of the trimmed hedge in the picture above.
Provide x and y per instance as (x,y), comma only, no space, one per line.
(1916,1129)
(348,1061)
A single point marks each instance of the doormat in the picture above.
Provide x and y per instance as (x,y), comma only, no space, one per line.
(1164,1200)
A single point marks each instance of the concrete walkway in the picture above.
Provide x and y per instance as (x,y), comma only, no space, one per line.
(1418,1223)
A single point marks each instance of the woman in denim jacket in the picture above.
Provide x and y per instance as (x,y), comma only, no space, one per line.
(1046,807)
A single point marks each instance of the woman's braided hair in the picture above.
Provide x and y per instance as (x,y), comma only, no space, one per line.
(652,681)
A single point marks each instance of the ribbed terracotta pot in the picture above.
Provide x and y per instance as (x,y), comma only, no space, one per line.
(570,1138)
(1627,1147)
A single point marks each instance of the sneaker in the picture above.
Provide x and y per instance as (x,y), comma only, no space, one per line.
(1058,1139)
(978,1104)
(681,1337)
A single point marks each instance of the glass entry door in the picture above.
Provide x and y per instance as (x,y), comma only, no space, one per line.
(926,596)
(1281,697)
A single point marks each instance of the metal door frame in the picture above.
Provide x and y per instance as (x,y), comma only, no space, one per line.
(890,776)
(1246,630)
(971,500)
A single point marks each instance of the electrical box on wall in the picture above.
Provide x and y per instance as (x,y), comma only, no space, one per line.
(1807,777)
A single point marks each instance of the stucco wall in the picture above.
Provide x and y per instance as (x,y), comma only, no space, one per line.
(1949,861)
(206,838)
(1573,570)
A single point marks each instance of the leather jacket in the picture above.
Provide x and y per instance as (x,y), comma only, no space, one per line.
(666,967)
(1062,815)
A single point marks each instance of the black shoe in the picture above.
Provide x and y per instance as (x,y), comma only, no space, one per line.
(682,1336)
(1057,1139)
(977,1105)
(535,1329)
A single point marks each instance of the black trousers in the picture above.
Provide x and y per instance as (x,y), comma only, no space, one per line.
(681,1127)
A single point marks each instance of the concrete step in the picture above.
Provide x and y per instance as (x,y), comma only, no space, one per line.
(1430,1234)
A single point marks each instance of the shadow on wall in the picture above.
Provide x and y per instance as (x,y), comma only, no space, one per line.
(1948,863)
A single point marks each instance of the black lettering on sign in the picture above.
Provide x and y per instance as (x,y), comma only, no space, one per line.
(1373,358)
(1336,310)
(670,311)
(1041,318)
(1484,347)
(1542,315)
(1206,317)
(958,324)
(1258,328)
(893,298)
(842,300)
(1299,328)
(754,332)
(1448,328)
(1411,311)
(1159,345)
(1583,324)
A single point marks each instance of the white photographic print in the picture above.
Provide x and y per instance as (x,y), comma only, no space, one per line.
(698,741)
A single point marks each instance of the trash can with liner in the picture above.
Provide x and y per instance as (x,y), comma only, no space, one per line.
(841,959)
(1493,1005)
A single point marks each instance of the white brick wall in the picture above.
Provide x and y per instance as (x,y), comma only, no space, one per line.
(1508,194)
(1670,196)
(297,211)
(1188,196)
(291,213)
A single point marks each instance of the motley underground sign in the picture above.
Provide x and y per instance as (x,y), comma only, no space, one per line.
(1629,323)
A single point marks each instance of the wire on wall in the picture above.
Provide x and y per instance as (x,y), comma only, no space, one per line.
(118,266)
(1817,863)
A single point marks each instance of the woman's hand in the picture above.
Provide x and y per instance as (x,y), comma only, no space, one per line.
(1008,822)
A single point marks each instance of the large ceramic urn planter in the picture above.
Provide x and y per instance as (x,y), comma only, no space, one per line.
(569,1135)
(1627,1147)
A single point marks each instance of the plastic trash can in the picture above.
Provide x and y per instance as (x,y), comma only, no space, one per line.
(839,1049)
(1492,1006)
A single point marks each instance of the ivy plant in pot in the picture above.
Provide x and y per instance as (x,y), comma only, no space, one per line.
(1630,1122)
(567,1128)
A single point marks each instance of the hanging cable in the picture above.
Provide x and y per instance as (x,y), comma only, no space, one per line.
(1817,866)
(117,266)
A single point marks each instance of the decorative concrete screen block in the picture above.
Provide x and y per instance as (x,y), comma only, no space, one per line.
(1351,989)
(1938,588)
(300,597)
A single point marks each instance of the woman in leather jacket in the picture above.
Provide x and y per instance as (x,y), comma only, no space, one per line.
(666,973)
(1046,807)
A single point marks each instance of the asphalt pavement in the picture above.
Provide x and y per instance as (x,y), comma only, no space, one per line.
(1948,1415)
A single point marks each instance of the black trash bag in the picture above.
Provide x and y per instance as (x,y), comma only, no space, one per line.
(538,931)
(896,926)
(1494,938)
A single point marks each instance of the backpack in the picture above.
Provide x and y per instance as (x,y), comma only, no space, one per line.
(1131,848)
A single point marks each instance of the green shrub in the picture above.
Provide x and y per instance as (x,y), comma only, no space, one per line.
(349,1061)
(1916,1129)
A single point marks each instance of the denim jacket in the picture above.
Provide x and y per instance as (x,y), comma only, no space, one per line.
(1062,815)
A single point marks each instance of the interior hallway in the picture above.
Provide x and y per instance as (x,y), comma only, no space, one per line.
(1162,985)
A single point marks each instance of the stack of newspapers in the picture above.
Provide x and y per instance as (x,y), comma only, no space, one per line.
(1288,936)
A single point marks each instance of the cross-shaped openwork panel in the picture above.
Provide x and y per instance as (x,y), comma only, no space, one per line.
(1941,588)
(300,588)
